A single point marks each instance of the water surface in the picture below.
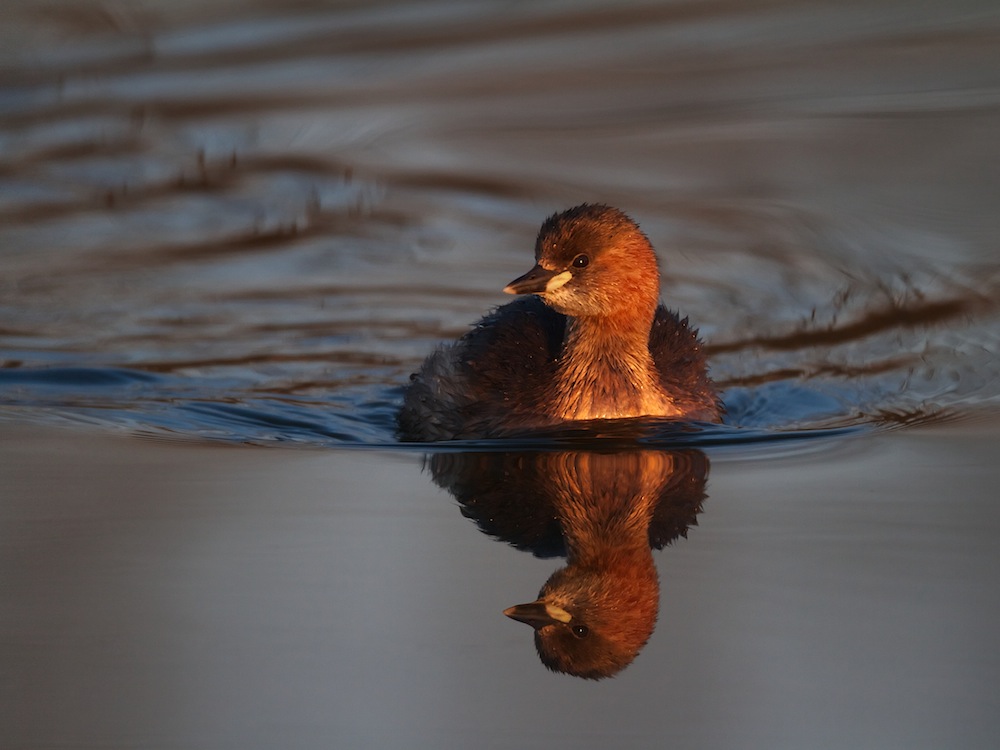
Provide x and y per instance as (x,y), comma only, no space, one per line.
(230,230)
(286,211)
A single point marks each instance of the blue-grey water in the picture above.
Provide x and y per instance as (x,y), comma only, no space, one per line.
(230,230)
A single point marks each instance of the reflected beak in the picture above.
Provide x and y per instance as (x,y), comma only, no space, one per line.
(538,281)
(538,614)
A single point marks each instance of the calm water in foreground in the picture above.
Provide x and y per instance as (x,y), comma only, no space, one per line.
(230,230)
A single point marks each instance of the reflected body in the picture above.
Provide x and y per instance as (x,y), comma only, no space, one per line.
(593,616)
(600,347)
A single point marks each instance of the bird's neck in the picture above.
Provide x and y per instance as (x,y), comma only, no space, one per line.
(606,520)
(606,370)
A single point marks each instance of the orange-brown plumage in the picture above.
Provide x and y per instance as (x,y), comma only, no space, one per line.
(592,343)
(593,616)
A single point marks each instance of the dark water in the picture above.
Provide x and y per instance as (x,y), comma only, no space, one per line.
(232,223)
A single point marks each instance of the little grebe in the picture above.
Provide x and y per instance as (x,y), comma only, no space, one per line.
(592,342)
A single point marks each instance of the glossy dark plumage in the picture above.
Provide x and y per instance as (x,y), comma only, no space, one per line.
(499,374)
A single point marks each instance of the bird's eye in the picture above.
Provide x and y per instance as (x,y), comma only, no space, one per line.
(581,261)
(581,631)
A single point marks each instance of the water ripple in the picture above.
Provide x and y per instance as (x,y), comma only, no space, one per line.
(254,228)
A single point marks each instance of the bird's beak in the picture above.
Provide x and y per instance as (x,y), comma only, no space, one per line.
(538,281)
(538,614)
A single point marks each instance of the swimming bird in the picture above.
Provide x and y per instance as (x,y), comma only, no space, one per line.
(588,341)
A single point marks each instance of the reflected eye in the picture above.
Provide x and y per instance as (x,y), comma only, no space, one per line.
(581,631)
(581,261)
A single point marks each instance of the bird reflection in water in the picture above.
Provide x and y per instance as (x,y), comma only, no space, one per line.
(604,512)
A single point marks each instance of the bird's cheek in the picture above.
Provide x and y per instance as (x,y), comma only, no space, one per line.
(565,300)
